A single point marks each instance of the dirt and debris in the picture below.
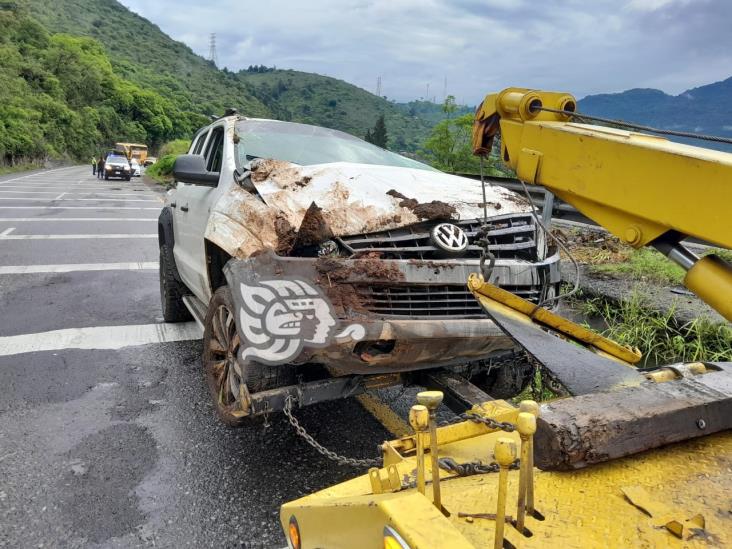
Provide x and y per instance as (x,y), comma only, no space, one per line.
(428,211)
(285,235)
(283,173)
(592,246)
(430,264)
(371,268)
(435,210)
(494,205)
(345,298)
(409,203)
(313,229)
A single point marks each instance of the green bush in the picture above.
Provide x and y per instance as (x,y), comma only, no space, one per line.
(178,146)
(162,170)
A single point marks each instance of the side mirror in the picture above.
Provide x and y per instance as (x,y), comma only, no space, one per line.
(191,169)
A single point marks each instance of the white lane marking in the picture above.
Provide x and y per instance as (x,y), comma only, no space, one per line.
(142,193)
(59,196)
(76,199)
(71,236)
(56,188)
(6,232)
(77,208)
(44,220)
(36,174)
(72,267)
(99,337)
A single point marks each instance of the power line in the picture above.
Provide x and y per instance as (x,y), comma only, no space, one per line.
(212,49)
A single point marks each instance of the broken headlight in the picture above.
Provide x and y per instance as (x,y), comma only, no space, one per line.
(329,248)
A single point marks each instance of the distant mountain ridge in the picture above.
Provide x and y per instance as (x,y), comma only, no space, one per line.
(705,109)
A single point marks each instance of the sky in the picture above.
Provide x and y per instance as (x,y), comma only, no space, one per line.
(479,46)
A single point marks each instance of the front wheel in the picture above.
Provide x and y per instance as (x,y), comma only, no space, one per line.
(229,380)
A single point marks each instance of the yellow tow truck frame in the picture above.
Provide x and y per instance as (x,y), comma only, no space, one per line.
(634,458)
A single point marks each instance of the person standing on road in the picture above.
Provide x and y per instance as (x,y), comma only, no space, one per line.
(100,166)
(94,166)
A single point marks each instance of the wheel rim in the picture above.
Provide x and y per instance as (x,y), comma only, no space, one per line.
(223,368)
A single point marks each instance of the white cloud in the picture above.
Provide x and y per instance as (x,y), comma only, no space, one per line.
(479,45)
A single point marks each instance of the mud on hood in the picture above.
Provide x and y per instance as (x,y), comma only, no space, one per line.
(362,198)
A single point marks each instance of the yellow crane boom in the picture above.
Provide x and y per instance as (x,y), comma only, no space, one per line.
(644,189)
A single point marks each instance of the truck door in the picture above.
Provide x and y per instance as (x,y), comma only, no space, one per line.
(193,207)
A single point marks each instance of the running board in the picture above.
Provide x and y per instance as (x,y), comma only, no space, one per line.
(196,308)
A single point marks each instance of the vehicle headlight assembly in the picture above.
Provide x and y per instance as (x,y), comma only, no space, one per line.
(329,248)
(107,167)
(127,168)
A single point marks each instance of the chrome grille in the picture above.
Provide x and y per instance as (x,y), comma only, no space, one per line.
(511,236)
(432,300)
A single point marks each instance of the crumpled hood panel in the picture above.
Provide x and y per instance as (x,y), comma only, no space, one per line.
(354,197)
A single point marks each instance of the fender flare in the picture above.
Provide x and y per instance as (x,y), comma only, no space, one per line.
(166,236)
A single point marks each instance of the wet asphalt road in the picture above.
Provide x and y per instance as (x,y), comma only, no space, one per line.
(107,435)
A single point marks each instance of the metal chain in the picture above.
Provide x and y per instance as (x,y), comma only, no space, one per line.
(488,422)
(485,253)
(473,467)
(341,460)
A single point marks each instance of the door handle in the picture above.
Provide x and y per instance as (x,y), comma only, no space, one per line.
(184,208)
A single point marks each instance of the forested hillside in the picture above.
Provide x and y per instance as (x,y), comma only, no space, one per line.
(60,96)
(111,50)
(321,100)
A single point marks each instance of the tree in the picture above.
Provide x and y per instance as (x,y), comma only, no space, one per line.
(368,137)
(379,135)
(449,106)
(449,148)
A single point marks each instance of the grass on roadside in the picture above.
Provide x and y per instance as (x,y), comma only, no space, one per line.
(660,338)
(647,264)
(644,264)
(20,168)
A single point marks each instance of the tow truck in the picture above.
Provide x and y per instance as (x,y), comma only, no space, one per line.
(634,457)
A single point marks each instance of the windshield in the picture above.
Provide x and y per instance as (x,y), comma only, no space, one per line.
(307,145)
(118,159)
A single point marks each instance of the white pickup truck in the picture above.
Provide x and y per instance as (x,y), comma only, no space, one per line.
(320,265)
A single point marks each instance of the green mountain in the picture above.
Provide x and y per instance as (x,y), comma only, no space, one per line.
(705,109)
(115,52)
(325,101)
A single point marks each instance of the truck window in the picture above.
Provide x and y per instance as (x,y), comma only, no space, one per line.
(215,150)
(200,139)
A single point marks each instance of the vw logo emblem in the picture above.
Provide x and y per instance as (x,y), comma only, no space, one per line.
(449,238)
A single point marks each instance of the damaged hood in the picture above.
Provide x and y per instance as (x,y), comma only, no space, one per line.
(362,198)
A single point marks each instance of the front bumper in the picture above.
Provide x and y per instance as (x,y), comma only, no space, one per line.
(297,310)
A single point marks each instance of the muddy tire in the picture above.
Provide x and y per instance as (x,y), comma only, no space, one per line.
(171,289)
(228,380)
